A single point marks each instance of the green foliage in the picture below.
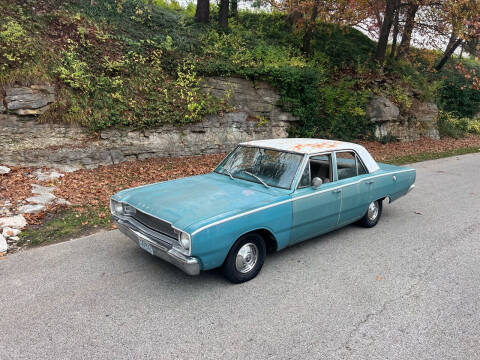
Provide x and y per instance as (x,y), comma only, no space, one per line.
(400,96)
(457,94)
(119,64)
(132,91)
(344,46)
(15,45)
(342,111)
(453,126)
(415,75)
(325,108)
(65,225)
(73,71)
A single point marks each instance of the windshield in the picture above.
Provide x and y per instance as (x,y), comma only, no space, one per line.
(265,166)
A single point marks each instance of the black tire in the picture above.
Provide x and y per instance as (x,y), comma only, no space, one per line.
(251,244)
(369,220)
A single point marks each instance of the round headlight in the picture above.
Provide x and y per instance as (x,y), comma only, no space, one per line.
(185,241)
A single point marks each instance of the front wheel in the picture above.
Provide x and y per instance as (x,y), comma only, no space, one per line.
(245,259)
(372,215)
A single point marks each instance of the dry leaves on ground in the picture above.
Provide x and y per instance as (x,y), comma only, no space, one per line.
(94,187)
(383,152)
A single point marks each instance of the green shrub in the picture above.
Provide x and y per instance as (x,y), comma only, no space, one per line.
(343,45)
(457,94)
(15,45)
(453,126)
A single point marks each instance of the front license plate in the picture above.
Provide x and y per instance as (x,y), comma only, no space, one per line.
(145,246)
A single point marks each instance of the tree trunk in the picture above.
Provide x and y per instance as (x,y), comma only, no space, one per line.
(448,53)
(202,13)
(223,14)
(404,47)
(234,9)
(395,33)
(392,5)
(307,37)
(451,41)
(150,6)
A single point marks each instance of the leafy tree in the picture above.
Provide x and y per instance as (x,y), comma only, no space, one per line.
(385,28)
(234,9)
(202,12)
(463,17)
(223,14)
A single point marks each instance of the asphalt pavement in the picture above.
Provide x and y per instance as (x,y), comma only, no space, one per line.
(408,288)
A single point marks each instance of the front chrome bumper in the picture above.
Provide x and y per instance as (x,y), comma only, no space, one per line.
(160,247)
(411,188)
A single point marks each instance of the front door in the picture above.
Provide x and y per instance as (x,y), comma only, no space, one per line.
(315,211)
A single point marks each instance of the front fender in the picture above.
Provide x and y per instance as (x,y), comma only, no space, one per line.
(212,244)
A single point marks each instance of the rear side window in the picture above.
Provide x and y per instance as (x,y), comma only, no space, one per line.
(360,167)
(349,165)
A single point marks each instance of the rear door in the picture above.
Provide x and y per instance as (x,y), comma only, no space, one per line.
(357,186)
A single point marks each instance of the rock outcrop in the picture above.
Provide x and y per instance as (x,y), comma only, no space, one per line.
(420,119)
(32,100)
(254,115)
(380,109)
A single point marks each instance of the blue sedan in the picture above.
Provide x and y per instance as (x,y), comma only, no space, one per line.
(264,196)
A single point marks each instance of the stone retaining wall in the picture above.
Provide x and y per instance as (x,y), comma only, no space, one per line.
(255,115)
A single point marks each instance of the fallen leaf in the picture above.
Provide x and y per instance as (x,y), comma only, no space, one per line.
(418,213)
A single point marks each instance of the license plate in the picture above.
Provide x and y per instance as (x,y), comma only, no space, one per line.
(145,246)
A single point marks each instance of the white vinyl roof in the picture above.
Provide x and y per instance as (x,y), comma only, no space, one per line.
(315,146)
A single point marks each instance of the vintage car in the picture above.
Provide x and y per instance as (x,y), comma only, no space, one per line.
(264,196)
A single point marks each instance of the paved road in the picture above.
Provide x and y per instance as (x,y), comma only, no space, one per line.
(407,289)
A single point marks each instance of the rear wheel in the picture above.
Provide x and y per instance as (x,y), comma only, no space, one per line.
(245,259)
(372,215)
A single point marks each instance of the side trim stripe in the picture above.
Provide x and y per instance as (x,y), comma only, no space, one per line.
(291,200)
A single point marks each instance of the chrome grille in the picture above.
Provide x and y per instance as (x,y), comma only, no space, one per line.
(155,224)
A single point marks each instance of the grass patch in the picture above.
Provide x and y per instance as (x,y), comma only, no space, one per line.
(65,225)
(424,156)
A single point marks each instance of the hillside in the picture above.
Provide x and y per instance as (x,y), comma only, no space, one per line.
(115,64)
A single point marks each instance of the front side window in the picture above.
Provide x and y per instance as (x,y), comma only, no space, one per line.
(318,166)
(271,167)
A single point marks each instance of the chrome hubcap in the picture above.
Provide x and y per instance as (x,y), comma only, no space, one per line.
(247,257)
(373,211)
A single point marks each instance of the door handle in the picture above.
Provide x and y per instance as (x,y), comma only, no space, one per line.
(369,182)
(337,191)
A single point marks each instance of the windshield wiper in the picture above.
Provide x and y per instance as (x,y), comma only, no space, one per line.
(228,173)
(256,177)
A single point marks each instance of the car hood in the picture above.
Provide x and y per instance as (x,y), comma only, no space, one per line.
(192,200)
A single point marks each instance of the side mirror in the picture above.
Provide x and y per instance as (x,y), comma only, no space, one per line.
(316,182)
